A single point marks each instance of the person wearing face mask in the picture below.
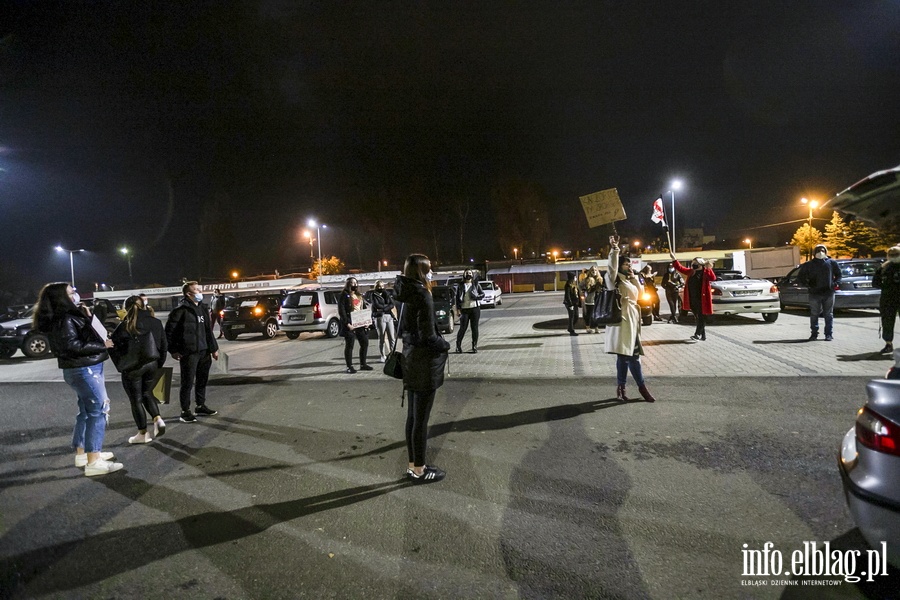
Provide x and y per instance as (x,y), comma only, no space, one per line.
(351,301)
(468,302)
(887,279)
(192,343)
(624,338)
(673,283)
(80,353)
(648,279)
(572,300)
(822,276)
(382,313)
(697,293)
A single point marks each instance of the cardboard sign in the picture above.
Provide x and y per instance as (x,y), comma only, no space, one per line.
(360,318)
(603,207)
(162,387)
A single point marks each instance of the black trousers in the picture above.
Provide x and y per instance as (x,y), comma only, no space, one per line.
(672,299)
(417,415)
(349,339)
(467,316)
(889,312)
(194,376)
(138,386)
(701,323)
(573,317)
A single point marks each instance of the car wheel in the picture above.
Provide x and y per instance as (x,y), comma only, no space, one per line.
(333,329)
(36,346)
(499,302)
(270,330)
(770,317)
(292,335)
(230,336)
(7,351)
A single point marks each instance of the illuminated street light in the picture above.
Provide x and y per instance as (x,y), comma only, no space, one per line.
(314,223)
(127,254)
(516,253)
(749,243)
(234,274)
(71,260)
(675,185)
(309,236)
(812,204)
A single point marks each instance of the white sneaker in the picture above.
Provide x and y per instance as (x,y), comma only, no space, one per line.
(159,427)
(101,467)
(81,459)
(140,438)
(383,358)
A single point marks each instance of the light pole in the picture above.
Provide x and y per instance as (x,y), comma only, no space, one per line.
(309,236)
(811,204)
(313,223)
(71,260)
(676,185)
(128,258)
(516,253)
(749,243)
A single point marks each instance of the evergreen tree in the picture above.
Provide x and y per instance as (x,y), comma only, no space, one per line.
(867,240)
(806,238)
(837,238)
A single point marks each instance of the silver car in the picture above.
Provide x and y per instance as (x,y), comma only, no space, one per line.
(855,291)
(492,293)
(734,294)
(310,309)
(869,462)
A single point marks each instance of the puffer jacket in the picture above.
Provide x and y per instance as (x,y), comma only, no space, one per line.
(424,350)
(887,279)
(188,330)
(382,302)
(74,341)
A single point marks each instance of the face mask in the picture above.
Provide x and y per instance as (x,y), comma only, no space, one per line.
(468,278)
(76,298)
(671,269)
(696,267)
(198,297)
(353,288)
(820,255)
(430,276)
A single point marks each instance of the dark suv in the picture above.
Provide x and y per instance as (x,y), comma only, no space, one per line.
(252,314)
(443,307)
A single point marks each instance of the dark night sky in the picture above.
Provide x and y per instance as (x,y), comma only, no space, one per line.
(120,122)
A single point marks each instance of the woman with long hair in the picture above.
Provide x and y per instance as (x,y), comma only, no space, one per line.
(697,292)
(349,302)
(80,352)
(138,381)
(624,339)
(468,297)
(424,358)
(383,315)
(572,300)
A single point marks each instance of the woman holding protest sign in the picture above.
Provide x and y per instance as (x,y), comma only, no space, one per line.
(354,325)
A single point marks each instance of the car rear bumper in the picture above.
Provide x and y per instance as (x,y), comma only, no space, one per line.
(314,325)
(860,299)
(239,327)
(733,306)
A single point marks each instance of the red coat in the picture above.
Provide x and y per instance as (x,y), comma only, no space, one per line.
(705,291)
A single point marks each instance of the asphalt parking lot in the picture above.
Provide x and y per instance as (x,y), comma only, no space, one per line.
(554,489)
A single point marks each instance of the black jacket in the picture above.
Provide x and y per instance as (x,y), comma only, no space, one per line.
(188,329)
(146,322)
(475,293)
(382,302)
(424,350)
(74,341)
(345,307)
(887,279)
(820,275)
(672,282)
(572,296)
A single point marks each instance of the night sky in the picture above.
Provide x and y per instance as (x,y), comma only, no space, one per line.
(203,137)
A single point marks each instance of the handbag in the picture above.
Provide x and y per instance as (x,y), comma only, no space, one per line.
(141,350)
(608,306)
(393,366)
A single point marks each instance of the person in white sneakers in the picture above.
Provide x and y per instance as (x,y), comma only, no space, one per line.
(139,350)
(80,352)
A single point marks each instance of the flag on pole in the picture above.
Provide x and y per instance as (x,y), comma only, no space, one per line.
(658,215)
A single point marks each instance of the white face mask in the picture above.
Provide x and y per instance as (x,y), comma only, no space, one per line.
(76,298)
(895,259)
(820,255)
(198,297)
(430,276)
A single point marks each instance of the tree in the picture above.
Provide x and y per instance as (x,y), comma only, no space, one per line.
(806,238)
(837,237)
(866,239)
(523,220)
(461,206)
(329,266)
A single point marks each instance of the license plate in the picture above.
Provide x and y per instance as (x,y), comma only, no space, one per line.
(745,293)
(864,285)
(238,326)
(297,318)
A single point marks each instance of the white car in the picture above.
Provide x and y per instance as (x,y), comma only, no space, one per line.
(492,293)
(734,294)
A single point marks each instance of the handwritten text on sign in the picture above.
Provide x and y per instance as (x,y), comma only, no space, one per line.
(603,207)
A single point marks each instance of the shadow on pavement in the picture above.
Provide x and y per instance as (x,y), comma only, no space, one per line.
(797,341)
(874,356)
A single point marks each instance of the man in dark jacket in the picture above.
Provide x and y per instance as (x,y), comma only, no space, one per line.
(193,345)
(887,279)
(821,275)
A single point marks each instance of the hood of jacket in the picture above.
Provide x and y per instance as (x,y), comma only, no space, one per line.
(406,289)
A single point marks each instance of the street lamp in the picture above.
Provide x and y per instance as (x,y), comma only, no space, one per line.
(127,254)
(309,236)
(71,260)
(313,223)
(749,243)
(234,274)
(676,185)
(811,204)
(516,253)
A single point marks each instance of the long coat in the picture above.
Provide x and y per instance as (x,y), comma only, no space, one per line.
(705,290)
(622,338)
(424,350)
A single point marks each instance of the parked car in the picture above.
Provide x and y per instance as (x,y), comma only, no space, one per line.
(869,463)
(734,294)
(14,312)
(252,314)
(111,314)
(443,307)
(492,293)
(856,289)
(17,335)
(310,309)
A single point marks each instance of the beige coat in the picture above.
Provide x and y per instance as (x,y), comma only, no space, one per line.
(621,338)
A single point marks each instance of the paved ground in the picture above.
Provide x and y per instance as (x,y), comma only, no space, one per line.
(555,490)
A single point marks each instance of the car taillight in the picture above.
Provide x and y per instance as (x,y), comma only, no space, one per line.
(875,432)
(279,312)
(317,312)
(716,292)
(222,313)
(773,289)
(258,310)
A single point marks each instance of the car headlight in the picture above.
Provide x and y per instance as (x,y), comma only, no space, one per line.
(441,313)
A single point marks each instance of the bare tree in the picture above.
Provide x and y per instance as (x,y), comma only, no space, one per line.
(461,206)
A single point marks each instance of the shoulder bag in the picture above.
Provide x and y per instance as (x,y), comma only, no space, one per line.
(141,351)
(393,366)
(608,306)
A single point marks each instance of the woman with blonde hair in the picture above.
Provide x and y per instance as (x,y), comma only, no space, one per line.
(146,356)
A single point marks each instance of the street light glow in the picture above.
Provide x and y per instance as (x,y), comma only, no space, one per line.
(124,251)
(676,184)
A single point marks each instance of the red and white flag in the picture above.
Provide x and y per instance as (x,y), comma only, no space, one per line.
(658,215)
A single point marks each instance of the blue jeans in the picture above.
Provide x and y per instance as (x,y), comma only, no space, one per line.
(623,364)
(93,406)
(823,305)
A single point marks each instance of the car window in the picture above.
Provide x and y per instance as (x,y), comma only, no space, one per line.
(792,275)
(331,297)
(440,293)
(298,299)
(859,269)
